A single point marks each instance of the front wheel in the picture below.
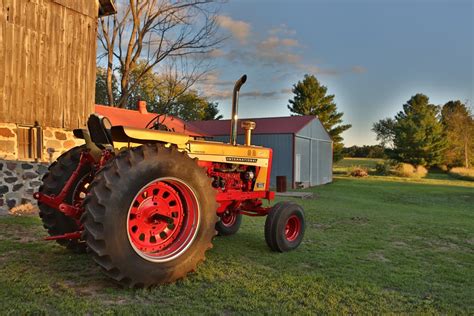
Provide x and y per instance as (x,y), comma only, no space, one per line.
(150,216)
(284,226)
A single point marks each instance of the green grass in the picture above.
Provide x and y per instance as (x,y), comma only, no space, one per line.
(372,245)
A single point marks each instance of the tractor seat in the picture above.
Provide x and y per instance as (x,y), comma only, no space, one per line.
(99,129)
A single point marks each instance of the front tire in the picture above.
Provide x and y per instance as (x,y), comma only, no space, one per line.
(284,226)
(150,216)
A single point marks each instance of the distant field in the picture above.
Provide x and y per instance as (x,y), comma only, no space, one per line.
(373,245)
(345,164)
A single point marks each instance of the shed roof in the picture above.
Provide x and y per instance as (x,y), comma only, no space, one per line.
(138,119)
(265,125)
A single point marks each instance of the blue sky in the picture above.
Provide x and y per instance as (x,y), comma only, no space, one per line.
(373,55)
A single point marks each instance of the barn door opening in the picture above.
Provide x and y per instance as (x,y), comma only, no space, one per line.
(298,168)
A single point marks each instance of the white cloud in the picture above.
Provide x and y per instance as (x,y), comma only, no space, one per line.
(274,42)
(281,29)
(239,29)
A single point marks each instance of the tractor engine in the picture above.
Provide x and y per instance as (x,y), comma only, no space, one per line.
(228,177)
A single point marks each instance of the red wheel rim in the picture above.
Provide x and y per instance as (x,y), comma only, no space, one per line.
(163,219)
(292,228)
(81,189)
(228,219)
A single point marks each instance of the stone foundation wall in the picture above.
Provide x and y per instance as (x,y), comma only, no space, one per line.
(18,181)
(55,142)
(8,141)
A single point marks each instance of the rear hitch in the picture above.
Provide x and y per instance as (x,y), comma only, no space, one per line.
(68,236)
(57,201)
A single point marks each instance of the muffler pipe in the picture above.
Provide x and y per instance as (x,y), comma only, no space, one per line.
(235,105)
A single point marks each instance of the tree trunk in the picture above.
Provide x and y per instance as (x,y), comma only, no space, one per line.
(110,92)
(466,154)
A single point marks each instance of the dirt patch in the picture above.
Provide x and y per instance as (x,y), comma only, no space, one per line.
(399,244)
(23,234)
(320,226)
(378,256)
(95,289)
(443,245)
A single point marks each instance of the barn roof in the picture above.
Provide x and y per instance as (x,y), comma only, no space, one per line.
(106,7)
(139,119)
(266,125)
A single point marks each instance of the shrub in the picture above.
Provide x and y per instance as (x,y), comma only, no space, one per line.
(358,172)
(404,170)
(382,168)
(462,173)
(420,172)
(408,171)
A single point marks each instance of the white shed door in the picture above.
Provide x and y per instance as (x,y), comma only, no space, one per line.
(298,168)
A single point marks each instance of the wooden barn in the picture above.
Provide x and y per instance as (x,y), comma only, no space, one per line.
(47,73)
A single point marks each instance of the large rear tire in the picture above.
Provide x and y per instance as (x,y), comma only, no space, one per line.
(149,216)
(55,221)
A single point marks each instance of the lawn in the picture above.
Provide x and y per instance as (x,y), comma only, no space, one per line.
(372,245)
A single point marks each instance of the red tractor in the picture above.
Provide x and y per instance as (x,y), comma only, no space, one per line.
(148,202)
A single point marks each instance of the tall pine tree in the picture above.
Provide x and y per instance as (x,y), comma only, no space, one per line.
(311,98)
(418,134)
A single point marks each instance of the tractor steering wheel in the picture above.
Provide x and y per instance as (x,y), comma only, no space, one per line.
(156,122)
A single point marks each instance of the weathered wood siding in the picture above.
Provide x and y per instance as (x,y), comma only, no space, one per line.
(47,61)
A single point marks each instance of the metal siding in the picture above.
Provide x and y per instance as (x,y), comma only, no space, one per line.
(318,169)
(302,148)
(282,146)
(325,162)
(315,130)
(315,174)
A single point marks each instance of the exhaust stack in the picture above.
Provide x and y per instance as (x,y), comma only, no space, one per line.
(235,104)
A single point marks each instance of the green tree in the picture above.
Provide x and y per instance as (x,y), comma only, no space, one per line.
(458,126)
(311,98)
(384,129)
(418,134)
(101,95)
(163,94)
(211,112)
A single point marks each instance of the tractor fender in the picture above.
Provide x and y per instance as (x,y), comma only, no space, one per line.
(123,134)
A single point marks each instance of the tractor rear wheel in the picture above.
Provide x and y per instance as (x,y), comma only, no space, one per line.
(55,221)
(149,216)
(229,223)
(284,226)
